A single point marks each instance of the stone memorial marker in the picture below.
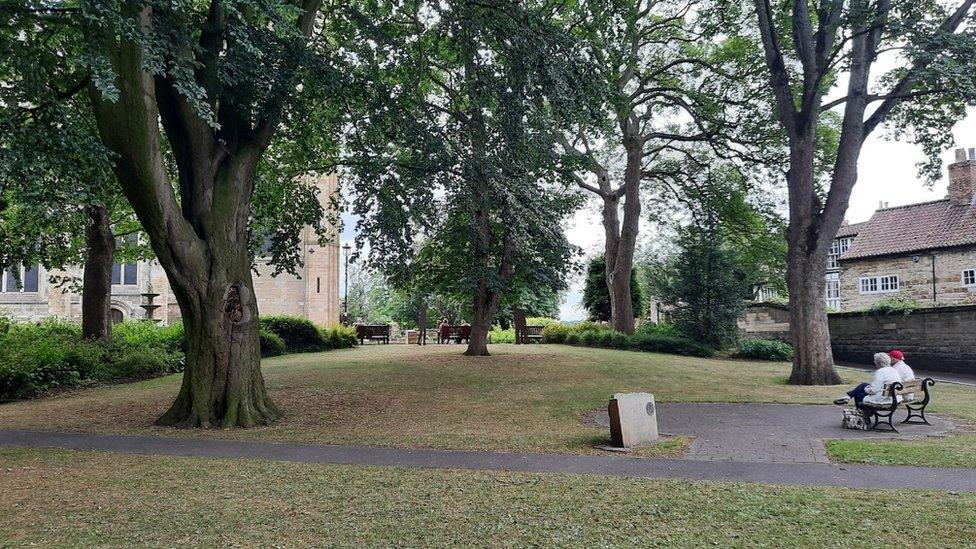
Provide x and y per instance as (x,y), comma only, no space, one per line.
(633,419)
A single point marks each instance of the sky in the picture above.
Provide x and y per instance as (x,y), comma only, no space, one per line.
(886,173)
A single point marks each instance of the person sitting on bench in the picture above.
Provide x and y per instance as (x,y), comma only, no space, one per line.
(898,363)
(903,369)
(873,392)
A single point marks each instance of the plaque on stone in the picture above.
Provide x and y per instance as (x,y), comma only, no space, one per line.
(633,419)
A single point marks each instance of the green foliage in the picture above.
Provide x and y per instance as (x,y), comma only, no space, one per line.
(555,333)
(35,358)
(454,174)
(705,287)
(765,349)
(499,335)
(300,335)
(596,295)
(664,329)
(893,305)
(593,334)
(339,337)
(271,343)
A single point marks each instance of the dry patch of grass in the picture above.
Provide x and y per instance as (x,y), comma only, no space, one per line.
(60,498)
(523,398)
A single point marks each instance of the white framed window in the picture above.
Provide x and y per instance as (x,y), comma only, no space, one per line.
(29,281)
(832,290)
(969,277)
(837,249)
(879,284)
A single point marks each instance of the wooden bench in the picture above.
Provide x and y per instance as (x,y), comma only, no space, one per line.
(373,332)
(446,334)
(532,333)
(915,406)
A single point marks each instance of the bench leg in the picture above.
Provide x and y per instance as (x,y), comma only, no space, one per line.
(919,413)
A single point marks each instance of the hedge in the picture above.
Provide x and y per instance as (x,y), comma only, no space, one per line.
(39,357)
(765,349)
(661,339)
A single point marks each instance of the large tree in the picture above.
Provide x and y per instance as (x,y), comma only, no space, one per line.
(668,76)
(187,98)
(457,147)
(821,58)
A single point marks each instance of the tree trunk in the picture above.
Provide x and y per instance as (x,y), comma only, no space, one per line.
(96,295)
(813,362)
(519,321)
(223,385)
(621,239)
(485,304)
(422,326)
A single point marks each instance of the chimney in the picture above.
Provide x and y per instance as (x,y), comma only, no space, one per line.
(962,178)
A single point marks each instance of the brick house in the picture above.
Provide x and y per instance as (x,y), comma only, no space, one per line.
(313,295)
(925,252)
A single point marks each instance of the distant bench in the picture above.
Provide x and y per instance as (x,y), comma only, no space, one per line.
(446,334)
(532,333)
(373,332)
(915,406)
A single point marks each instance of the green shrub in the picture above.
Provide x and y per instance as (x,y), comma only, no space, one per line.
(572,338)
(893,305)
(588,338)
(271,344)
(502,336)
(669,344)
(299,334)
(664,329)
(619,340)
(139,364)
(149,334)
(765,349)
(555,333)
(339,337)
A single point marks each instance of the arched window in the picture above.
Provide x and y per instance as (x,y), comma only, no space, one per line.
(117,316)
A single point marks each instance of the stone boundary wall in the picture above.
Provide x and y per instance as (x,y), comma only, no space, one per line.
(938,338)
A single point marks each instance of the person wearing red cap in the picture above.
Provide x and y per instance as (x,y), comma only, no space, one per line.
(898,363)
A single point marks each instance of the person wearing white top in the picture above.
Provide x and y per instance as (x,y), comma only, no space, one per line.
(904,370)
(873,392)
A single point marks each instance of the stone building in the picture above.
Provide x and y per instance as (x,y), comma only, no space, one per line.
(313,295)
(925,252)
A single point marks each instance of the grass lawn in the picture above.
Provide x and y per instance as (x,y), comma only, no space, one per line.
(525,398)
(63,498)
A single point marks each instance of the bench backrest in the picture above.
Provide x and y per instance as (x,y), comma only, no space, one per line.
(533,330)
(905,387)
(371,330)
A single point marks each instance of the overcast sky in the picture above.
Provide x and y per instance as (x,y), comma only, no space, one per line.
(887,173)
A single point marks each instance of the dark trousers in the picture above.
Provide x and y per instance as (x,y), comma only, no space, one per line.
(858,393)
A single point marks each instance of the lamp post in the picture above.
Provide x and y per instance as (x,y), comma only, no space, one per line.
(345,300)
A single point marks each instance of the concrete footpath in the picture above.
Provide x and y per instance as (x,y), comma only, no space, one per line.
(810,474)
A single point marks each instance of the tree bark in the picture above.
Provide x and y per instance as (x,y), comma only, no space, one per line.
(96,294)
(518,316)
(222,385)
(422,326)
(813,361)
(621,238)
(201,239)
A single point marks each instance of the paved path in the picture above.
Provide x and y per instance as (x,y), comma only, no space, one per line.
(771,433)
(856,476)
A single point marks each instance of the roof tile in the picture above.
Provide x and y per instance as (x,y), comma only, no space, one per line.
(913,228)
